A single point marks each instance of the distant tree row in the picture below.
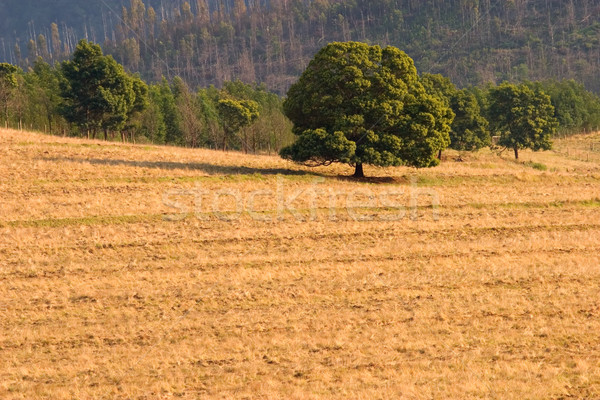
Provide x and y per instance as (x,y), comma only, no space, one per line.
(92,94)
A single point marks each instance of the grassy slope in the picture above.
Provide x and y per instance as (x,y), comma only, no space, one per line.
(103,297)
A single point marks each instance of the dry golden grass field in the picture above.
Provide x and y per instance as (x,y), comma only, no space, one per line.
(128,272)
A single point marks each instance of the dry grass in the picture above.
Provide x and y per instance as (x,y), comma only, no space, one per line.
(103,297)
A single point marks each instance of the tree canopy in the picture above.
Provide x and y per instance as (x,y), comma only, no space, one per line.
(469,128)
(361,104)
(97,92)
(576,109)
(235,115)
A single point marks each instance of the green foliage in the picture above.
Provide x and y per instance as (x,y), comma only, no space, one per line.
(439,86)
(272,130)
(189,112)
(83,77)
(8,75)
(164,98)
(538,166)
(97,92)
(523,117)
(365,104)
(576,109)
(321,148)
(235,115)
(178,116)
(469,128)
(8,83)
(152,121)
(46,91)
(37,98)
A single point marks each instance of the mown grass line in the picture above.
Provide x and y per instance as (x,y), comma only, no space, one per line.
(423,181)
(84,221)
(310,259)
(321,212)
(589,203)
(234,178)
(263,240)
(90,145)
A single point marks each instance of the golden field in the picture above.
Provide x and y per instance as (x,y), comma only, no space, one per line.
(128,272)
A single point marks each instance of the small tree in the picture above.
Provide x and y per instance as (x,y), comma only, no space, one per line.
(152,120)
(8,83)
(189,114)
(360,104)
(167,103)
(236,114)
(523,117)
(116,99)
(46,82)
(469,128)
(136,107)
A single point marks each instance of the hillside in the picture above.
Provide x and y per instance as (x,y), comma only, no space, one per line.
(209,42)
(107,292)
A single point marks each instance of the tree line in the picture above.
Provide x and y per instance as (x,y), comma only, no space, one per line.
(92,95)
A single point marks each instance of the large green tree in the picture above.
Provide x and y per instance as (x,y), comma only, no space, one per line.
(361,104)
(523,117)
(97,92)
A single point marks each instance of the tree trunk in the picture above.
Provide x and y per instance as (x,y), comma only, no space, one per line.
(440,155)
(358,172)
(105,134)
(516,153)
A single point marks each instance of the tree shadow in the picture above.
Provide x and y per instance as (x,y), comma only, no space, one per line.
(210,169)
(381,180)
(213,169)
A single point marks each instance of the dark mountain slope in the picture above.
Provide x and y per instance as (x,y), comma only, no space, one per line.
(271,41)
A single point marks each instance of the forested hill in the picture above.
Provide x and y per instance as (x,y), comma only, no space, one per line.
(271,41)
